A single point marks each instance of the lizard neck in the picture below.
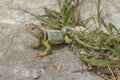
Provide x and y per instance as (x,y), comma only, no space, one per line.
(39,36)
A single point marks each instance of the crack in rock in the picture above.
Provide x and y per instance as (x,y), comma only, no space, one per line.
(11,40)
(10,43)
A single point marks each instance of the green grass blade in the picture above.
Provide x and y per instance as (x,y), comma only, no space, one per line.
(66,5)
(53,14)
(47,21)
(98,8)
(69,13)
(111,27)
(117,48)
(89,58)
(98,4)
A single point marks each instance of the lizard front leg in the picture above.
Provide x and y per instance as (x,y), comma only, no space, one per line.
(36,45)
(47,50)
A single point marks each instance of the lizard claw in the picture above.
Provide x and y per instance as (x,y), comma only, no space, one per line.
(41,54)
(35,46)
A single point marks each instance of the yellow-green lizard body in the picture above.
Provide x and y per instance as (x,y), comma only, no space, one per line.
(46,37)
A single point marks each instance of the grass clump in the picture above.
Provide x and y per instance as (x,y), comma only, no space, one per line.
(65,17)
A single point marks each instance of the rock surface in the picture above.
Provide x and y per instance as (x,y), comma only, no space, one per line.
(18,60)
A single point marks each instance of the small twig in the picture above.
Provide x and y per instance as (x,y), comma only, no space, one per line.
(114,78)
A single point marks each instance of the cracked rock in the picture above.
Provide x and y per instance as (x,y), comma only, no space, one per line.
(18,60)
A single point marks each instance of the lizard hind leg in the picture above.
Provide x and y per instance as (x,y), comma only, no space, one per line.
(46,51)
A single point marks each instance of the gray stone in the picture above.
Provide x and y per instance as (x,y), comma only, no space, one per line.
(18,60)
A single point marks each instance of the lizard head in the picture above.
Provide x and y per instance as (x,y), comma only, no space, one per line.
(35,30)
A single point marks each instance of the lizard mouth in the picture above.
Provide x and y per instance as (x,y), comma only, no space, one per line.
(26,27)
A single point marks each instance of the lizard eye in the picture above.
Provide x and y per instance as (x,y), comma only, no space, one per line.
(33,28)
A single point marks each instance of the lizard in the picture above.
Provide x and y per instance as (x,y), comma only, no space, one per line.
(46,37)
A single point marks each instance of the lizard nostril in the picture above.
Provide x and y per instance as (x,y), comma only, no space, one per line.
(25,27)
